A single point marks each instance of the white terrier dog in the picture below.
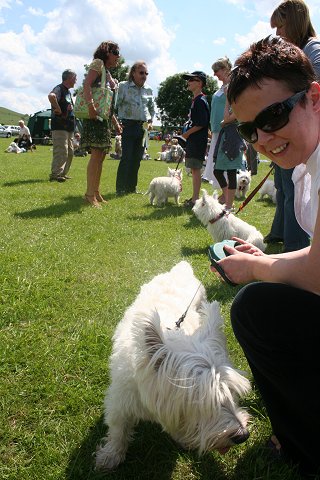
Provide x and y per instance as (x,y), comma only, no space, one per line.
(268,189)
(180,378)
(13,148)
(243,183)
(161,188)
(223,225)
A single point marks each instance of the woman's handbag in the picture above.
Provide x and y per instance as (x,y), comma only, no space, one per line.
(102,98)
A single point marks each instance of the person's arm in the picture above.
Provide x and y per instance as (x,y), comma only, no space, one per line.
(54,103)
(228,115)
(191,130)
(300,268)
(312,50)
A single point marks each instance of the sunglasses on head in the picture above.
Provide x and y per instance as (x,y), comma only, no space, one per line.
(144,73)
(270,119)
(115,52)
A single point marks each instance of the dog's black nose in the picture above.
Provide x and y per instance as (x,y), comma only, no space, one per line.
(241,436)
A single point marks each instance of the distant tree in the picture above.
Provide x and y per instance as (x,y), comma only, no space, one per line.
(174,99)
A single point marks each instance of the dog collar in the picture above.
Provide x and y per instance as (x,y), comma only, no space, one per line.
(222,214)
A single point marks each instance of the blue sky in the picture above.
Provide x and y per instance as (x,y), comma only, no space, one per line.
(38,39)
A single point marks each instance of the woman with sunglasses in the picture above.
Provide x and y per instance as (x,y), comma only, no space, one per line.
(275,98)
(96,135)
(292,22)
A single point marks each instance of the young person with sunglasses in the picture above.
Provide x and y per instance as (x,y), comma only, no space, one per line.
(96,134)
(275,97)
(135,106)
(292,22)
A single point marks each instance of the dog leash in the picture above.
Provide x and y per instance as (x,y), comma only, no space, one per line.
(183,316)
(252,194)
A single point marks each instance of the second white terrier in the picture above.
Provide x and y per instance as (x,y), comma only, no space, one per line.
(161,188)
(180,378)
(268,189)
(243,184)
(223,225)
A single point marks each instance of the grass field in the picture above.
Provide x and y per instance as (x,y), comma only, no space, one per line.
(68,272)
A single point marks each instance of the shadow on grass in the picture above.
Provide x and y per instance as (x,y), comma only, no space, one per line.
(24,182)
(151,455)
(158,213)
(70,205)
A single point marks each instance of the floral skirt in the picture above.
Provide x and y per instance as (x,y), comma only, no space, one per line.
(96,134)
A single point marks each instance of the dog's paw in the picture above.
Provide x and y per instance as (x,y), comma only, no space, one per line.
(107,458)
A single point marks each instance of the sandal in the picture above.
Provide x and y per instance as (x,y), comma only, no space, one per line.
(100,198)
(189,203)
(92,200)
(274,447)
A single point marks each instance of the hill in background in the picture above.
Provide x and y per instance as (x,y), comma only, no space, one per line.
(9,117)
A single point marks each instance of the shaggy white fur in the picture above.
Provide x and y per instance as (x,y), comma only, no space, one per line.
(243,183)
(180,378)
(224,226)
(268,189)
(161,188)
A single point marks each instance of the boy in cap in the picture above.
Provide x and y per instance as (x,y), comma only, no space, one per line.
(196,133)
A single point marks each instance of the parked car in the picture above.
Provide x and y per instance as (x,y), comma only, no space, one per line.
(15,130)
(5,132)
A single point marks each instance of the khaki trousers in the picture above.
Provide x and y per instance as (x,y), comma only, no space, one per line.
(62,153)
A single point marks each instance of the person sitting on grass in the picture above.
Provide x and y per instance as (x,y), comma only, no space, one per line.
(276,100)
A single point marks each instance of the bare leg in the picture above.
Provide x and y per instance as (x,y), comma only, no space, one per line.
(196,183)
(92,174)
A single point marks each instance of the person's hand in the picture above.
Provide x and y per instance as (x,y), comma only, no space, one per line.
(245,247)
(57,110)
(239,264)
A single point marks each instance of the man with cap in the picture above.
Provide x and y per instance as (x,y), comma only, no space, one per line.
(196,131)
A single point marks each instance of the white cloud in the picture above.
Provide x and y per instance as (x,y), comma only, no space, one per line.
(35,64)
(219,41)
(258,31)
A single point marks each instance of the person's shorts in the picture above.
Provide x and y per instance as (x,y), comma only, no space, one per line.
(192,162)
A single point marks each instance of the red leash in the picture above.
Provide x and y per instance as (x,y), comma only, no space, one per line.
(252,194)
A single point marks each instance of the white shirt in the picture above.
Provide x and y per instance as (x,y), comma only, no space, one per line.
(306,179)
(25,131)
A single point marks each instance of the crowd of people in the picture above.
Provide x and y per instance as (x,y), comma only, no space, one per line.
(268,103)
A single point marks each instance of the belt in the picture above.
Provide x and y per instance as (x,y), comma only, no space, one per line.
(128,121)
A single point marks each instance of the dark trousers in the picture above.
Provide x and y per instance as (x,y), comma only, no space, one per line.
(284,224)
(132,152)
(278,329)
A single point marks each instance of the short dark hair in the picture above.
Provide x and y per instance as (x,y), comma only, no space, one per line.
(67,74)
(271,57)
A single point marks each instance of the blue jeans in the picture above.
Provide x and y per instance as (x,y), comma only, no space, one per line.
(132,152)
(284,224)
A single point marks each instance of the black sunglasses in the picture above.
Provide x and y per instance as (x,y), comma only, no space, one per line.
(270,119)
(115,52)
(193,80)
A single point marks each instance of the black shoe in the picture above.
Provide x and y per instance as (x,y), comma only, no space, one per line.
(57,179)
(271,239)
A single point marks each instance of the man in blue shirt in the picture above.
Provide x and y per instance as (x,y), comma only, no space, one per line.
(135,105)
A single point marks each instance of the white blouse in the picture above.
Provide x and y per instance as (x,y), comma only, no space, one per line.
(306,179)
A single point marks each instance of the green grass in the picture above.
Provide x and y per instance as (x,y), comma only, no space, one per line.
(68,272)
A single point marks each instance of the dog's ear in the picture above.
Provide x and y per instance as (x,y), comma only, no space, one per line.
(154,345)
(204,196)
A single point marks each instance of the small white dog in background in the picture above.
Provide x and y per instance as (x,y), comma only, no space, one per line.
(161,188)
(180,378)
(243,183)
(268,190)
(223,225)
